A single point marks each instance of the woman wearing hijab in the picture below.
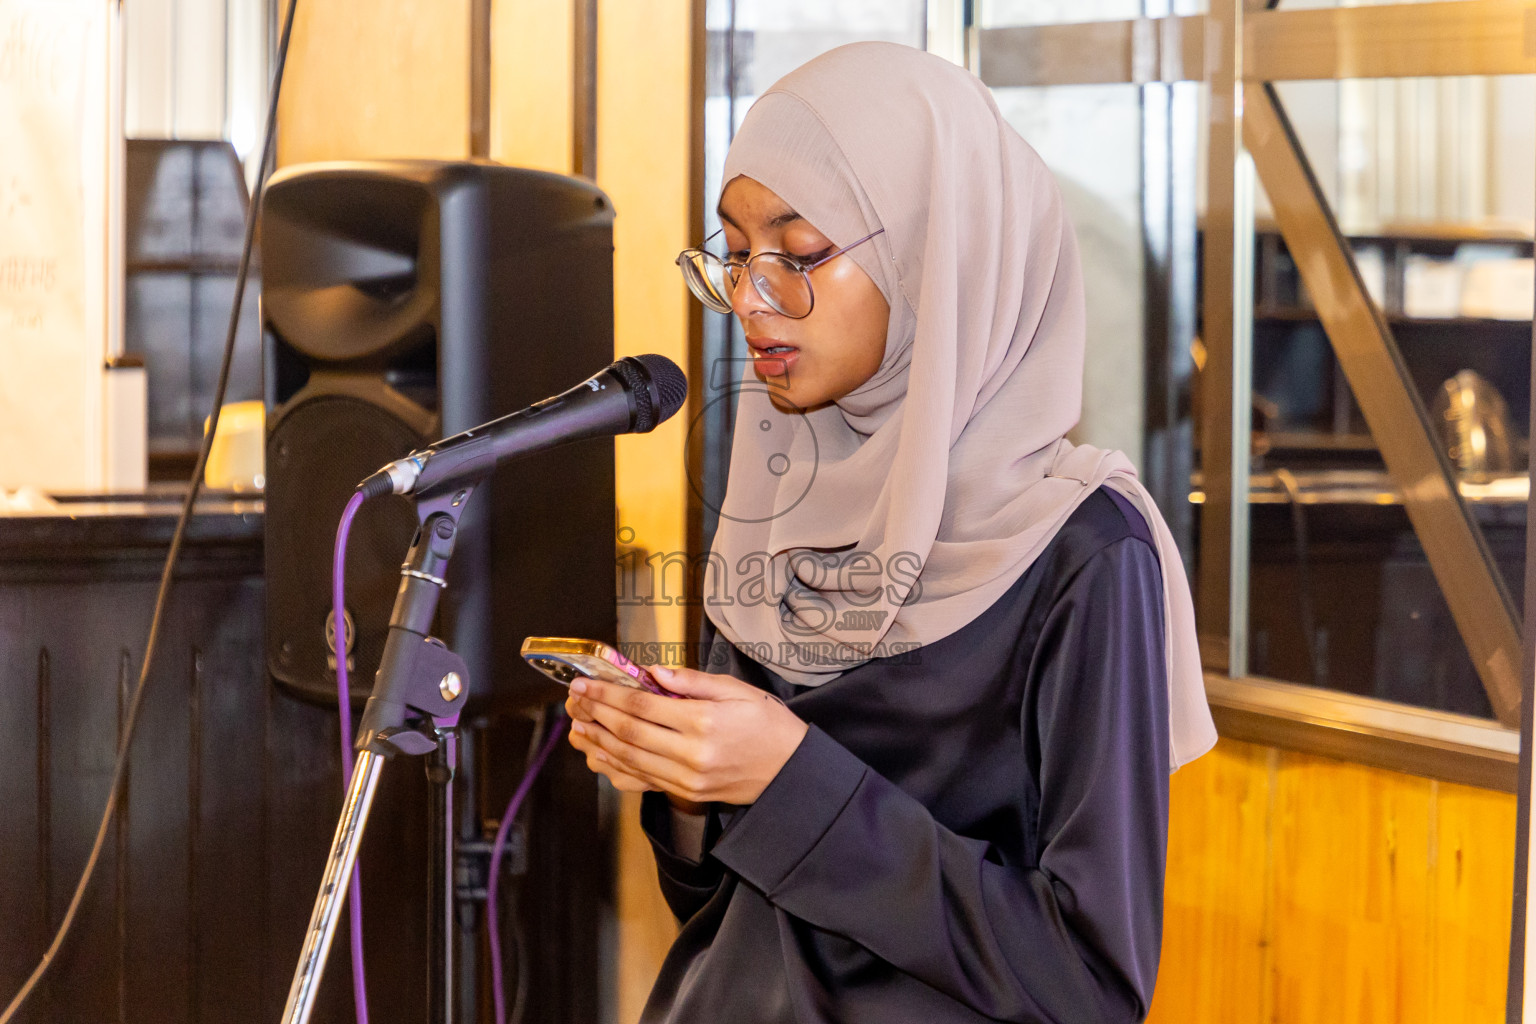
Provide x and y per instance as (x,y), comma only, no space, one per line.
(951,656)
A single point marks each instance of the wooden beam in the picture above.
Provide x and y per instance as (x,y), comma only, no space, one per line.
(1140,51)
(1457,37)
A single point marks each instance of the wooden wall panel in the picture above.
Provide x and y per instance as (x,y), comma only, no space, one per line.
(1471,882)
(644,136)
(1216,856)
(532,85)
(1302,890)
(372,79)
(644,124)
(646,924)
(1349,932)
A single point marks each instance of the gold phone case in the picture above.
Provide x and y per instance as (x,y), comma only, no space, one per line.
(564,658)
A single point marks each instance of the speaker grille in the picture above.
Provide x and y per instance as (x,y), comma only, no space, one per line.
(316,453)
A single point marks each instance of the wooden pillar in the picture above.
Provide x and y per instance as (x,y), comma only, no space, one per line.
(645,139)
(371,79)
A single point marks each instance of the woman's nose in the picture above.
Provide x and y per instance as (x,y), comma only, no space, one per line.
(745,299)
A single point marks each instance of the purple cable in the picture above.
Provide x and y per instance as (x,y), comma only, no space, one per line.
(497,848)
(343,695)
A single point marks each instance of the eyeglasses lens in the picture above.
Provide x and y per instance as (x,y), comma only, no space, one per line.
(707,280)
(781,284)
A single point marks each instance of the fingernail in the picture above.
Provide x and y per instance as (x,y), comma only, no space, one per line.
(578,686)
(661,671)
(578,728)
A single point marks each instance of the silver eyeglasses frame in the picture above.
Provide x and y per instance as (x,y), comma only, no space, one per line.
(697,264)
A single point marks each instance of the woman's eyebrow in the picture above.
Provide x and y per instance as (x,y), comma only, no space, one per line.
(787,217)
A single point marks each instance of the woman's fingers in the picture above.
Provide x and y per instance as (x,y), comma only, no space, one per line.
(637,732)
(732,741)
(600,764)
(699,685)
(577,708)
(664,711)
(685,716)
(663,772)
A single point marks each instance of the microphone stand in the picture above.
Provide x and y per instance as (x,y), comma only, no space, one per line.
(413,710)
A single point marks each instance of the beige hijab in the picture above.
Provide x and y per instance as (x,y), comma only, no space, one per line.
(952,456)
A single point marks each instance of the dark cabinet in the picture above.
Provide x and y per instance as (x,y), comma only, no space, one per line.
(206,881)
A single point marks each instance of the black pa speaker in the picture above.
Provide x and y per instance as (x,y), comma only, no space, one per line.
(403,301)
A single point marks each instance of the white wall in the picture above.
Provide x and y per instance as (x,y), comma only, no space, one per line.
(56,168)
(1090,137)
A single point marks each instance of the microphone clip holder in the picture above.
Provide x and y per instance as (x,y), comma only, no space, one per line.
(414,709)
(421,685)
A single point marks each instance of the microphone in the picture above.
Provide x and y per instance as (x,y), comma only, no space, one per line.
(630,396)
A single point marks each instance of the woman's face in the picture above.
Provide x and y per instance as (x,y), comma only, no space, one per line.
(821,357)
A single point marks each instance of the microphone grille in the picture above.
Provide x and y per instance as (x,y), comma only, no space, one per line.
(671,384)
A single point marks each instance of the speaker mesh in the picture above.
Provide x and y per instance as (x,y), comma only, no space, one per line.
(316,454)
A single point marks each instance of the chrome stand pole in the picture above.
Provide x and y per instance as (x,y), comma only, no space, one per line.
(333,888)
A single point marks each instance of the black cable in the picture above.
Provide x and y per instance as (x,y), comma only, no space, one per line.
(120,768)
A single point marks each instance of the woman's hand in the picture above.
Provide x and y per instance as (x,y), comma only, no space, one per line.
(725,744)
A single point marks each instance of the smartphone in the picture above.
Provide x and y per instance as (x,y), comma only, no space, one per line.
(564,658)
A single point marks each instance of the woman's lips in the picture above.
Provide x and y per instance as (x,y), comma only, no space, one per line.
(773,360)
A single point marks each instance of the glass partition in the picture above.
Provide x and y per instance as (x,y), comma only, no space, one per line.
(1373,544)
(1344,595)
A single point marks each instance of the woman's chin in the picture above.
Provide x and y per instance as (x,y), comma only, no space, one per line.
(792,392)
(780,399)
(789,399)
(778,383)
(799,396)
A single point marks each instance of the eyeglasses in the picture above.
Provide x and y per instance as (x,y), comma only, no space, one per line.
(783,281)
